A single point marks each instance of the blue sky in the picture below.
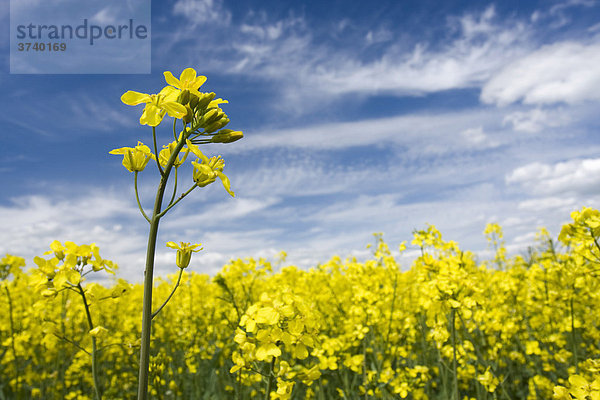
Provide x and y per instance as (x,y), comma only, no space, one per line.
(359,117)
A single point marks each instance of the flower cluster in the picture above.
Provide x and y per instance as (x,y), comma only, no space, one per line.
(67,267)
(280,331)
(202,118)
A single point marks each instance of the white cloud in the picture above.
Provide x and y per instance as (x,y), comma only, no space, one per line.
(484,50)
(569,4)
(93,215)
(482,45)
(558,14)
(562,205)
(537,119)
(574,176)
(223,211)
(477,138)
(433,133)
(106,114)
(594,28)
(467,61)
(199,12)
(474,25)
(104,16)
(379,35)
(565,72)
(309,71)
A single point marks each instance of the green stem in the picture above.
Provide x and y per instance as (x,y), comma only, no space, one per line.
(94,349)
(174,188)
(574,342)
(155,313)
(364,369)
(148,276)
(137,197)
(387,339)
(454,363)
(175,128)
(270,380)
(162,173)
(12,340)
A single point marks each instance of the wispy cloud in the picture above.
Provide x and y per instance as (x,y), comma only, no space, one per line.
(199,12)
(292,53)
(94,215)
(573,176)
(413,129)
(565,72)
(537,119)
(502,55)
(559,13)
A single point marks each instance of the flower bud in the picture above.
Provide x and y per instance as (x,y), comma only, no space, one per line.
(227,136)
(99,332)
(205,100)
(215,126)
(183,258)
(184,252)
(187,118)
(184,97)
(211,116)
(193,101)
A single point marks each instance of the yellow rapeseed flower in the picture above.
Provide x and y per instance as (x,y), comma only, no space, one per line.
(187,81)
(135,158)
(184,252)
(207,171)
(157,105)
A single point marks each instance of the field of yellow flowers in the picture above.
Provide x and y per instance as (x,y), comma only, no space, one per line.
(448,327)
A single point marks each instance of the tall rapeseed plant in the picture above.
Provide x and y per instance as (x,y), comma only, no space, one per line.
(201,122)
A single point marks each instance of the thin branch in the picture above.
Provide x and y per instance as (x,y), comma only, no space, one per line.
(137,198)
(73,343)
(94,350)
(155,313)
(162,173)
(160,215)
(174,188)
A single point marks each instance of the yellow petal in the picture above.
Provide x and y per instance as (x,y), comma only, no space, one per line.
(196,150)
(122,150)
(226,183)
(267,315)
(301,351)
(216,102)
(169,93)
(199,81)
(174,109)
(151,115)
(578,380)
(132,98)
(266,350)
(60,279)
(188,75)
(171,80)
(196,93)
